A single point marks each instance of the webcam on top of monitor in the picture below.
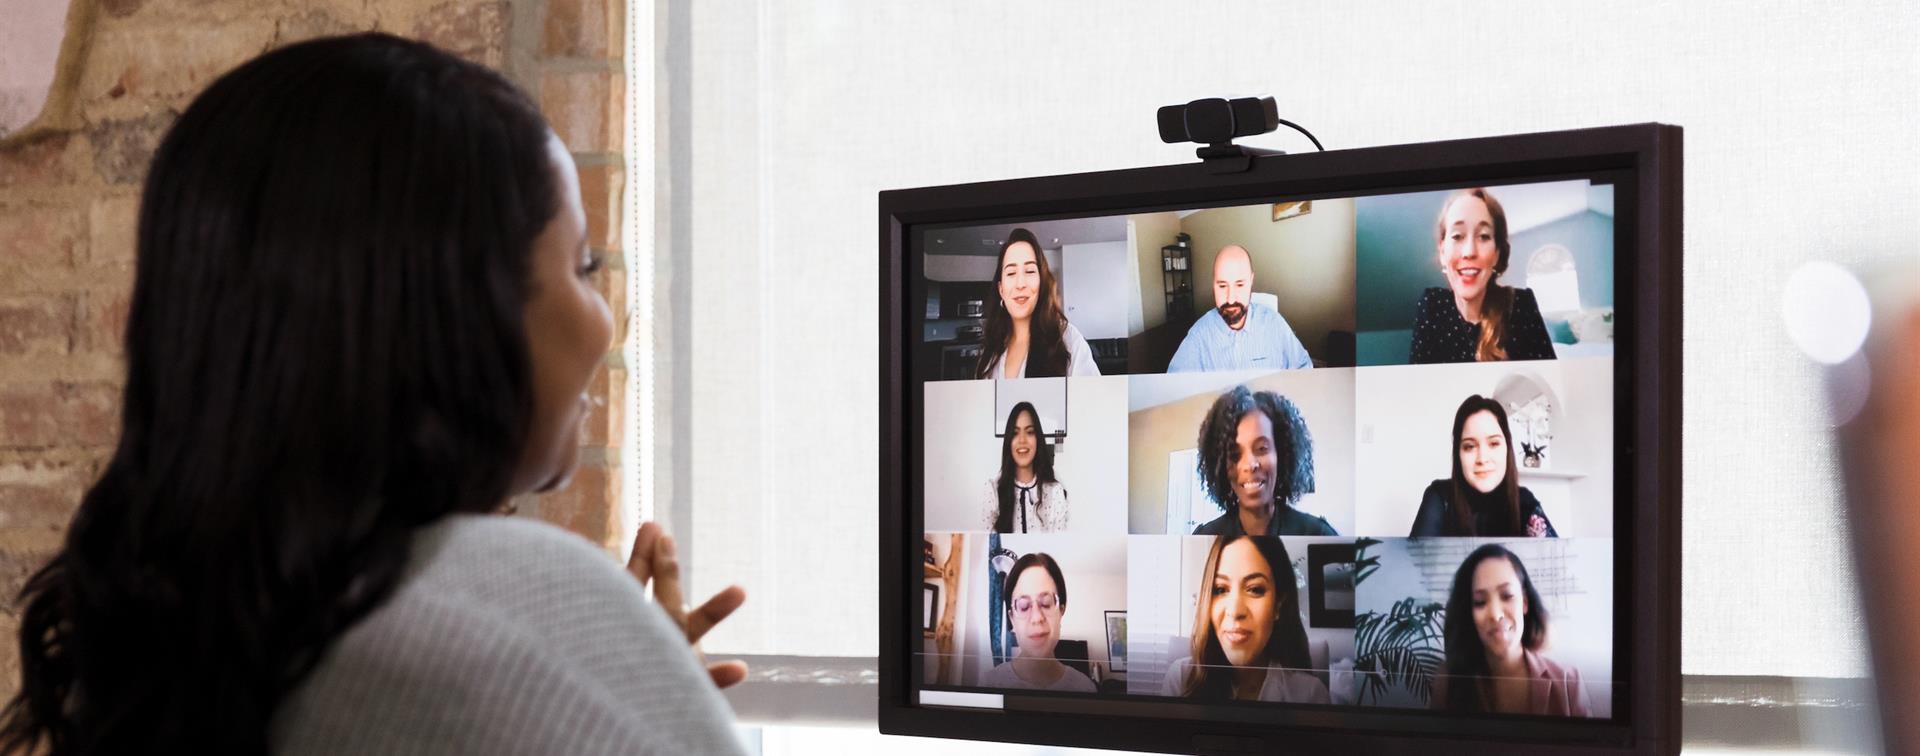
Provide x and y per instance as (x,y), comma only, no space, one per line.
(1215,122)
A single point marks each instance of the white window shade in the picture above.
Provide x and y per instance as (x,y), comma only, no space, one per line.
(786,120)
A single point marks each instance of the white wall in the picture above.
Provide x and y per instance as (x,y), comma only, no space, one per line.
(973,643)
(1098,285)
(1405,428)
(1146,234)
(962,453)
(1153,609)
(29,46)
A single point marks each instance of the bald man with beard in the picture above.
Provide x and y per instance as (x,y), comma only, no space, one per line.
(1238,334)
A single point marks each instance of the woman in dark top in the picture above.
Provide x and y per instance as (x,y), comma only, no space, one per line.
(1484,496)
(1475,318)
(1256,458)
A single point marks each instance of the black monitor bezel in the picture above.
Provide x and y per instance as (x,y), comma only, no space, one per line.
(1645,161)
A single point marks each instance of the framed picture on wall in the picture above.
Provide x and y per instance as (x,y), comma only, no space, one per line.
(1117,640)
(929,608)
(1285,210)
(1330,568)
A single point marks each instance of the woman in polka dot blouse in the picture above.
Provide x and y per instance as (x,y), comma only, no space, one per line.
(1475,318)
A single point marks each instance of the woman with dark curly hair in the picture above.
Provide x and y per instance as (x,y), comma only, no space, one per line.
(1495,627)
(1484,496)
(1247,643)
(1256,458)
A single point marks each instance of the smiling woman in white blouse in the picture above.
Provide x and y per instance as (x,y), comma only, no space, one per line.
(1027,333)
(1025,497)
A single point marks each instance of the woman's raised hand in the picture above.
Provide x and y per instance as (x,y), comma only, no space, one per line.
(654,565)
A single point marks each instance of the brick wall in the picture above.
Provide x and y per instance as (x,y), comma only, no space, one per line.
(69,192)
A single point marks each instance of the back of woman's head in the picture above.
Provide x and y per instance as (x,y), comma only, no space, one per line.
(324,351)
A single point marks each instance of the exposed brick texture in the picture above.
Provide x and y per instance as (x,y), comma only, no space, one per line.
(475,31)
(40,497)
(36,324)
(38,415)
(42,161)
(584,120)
(584,506)
(36,238)
(112,225)
(122,149)
(584,29)
(600,187)
(69,203)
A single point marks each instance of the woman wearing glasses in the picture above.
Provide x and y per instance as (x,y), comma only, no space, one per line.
(1036,599)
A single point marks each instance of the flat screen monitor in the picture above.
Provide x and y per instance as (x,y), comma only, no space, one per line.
(1370,450)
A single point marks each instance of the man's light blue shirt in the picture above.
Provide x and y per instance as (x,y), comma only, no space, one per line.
(1264,341)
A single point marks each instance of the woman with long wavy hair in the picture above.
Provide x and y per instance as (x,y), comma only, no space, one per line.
(1483,496)
(1495,630)
(1476,318)
(1027,334)
(1248,643)
(363,318)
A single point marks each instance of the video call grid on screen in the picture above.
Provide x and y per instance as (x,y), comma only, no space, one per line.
(1335,329)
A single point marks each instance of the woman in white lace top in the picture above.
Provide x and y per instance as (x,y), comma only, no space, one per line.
(1024,497)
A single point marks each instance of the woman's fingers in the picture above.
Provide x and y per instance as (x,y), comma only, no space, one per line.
(640,564)
(654,564)
(700,620)
(727,674)
(666,582)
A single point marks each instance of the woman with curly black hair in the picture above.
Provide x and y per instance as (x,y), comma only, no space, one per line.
(1256,458)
